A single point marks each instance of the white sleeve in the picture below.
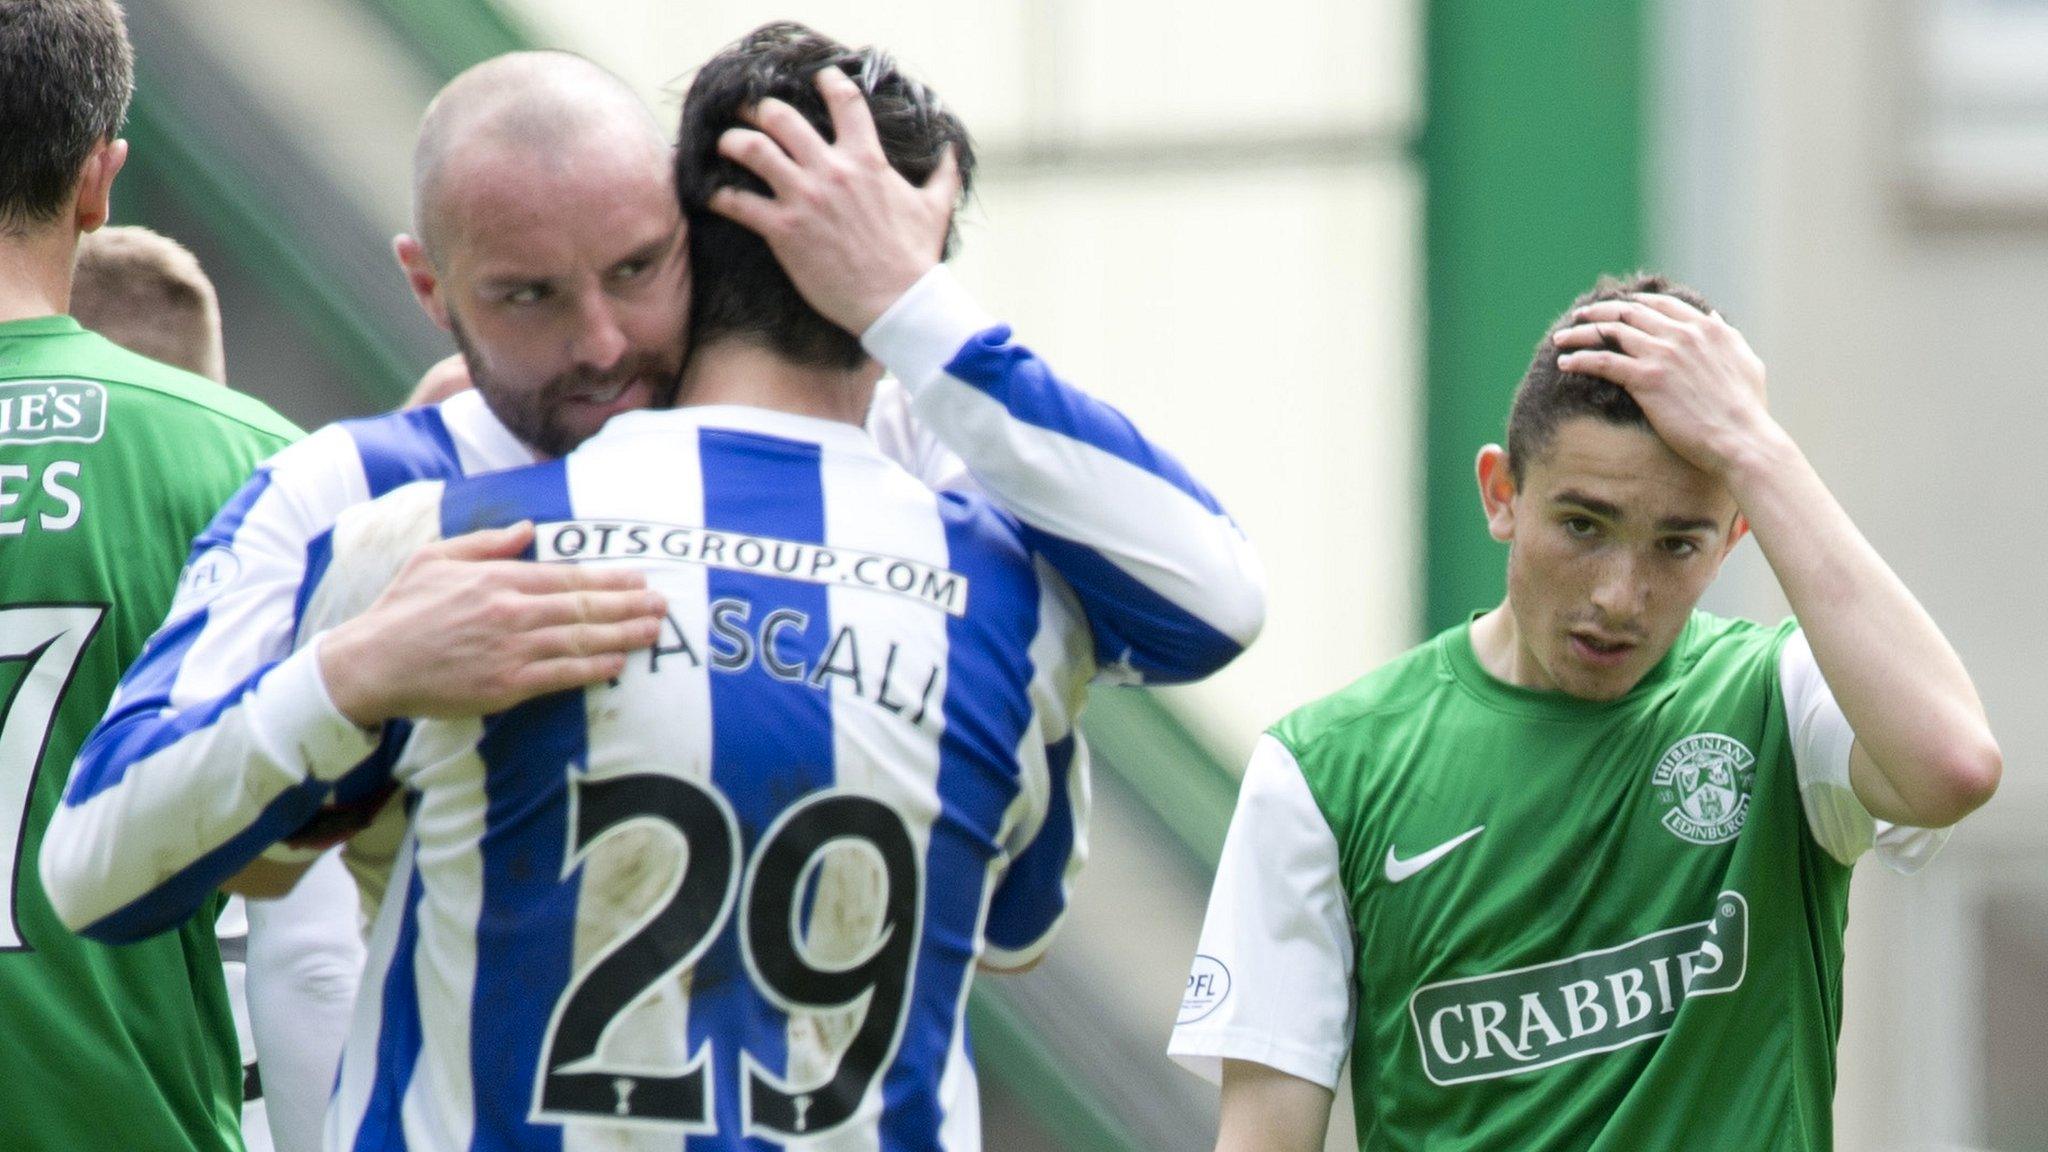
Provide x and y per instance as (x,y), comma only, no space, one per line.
(232,932)
(1171,588)
(1821,745)
(166,802)
(901,438)
(1271,981)
(305,960)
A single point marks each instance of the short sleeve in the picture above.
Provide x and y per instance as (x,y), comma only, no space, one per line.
(1821,745)
(1271,981)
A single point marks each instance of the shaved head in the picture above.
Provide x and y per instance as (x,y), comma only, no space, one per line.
(519,109)
(548,242)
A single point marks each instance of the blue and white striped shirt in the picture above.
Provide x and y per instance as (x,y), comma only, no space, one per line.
(223,740)
(739,893)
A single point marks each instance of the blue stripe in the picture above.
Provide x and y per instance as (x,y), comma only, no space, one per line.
(1033,894)
(148,682)
(400,447)
(398,1034)
(537,492)
(526,925)
(174,901)
(177,898)
(146,686)
(356,785)
(319,554)
(228,521)
(987,710)
(771,741)
(128,737)
(1027,389)
(526,928)
(1132,623)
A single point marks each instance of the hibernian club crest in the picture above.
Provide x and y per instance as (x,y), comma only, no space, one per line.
(1706,780)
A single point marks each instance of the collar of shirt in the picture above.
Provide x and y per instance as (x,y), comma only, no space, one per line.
(765,421)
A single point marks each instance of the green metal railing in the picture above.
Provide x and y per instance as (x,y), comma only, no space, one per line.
(1178,779)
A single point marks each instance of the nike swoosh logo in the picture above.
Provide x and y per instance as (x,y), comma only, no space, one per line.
(1399,870)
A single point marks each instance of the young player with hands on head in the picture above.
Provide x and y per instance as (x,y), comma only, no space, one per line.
(1574,875)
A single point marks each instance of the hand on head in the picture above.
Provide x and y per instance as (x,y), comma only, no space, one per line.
(1692,373)
(852,233)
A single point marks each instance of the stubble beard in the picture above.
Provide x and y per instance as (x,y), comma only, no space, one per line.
(537,417)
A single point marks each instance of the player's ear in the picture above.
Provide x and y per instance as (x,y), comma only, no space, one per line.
(1735,534)
(421,276)
(96,184)
(1497,492)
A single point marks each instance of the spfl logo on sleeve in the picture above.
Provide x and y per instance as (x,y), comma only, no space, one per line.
(1706,780)
(1208,988)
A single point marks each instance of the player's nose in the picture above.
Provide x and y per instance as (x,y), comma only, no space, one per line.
(598,340)
(1621,591)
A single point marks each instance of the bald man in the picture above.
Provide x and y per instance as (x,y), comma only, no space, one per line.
(549,244)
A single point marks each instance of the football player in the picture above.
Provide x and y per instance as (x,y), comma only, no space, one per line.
(1574,874)
(110,463)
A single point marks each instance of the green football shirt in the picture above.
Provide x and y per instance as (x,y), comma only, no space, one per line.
(1541,923)
(110,464)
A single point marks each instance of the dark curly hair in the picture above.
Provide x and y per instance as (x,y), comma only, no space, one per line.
(1547,397)
(739,288)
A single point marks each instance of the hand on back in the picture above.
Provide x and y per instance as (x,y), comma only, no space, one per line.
(466,630)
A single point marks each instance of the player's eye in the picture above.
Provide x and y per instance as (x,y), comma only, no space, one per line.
(631,269)
(526,294)
(1580,527)
(1680,547)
